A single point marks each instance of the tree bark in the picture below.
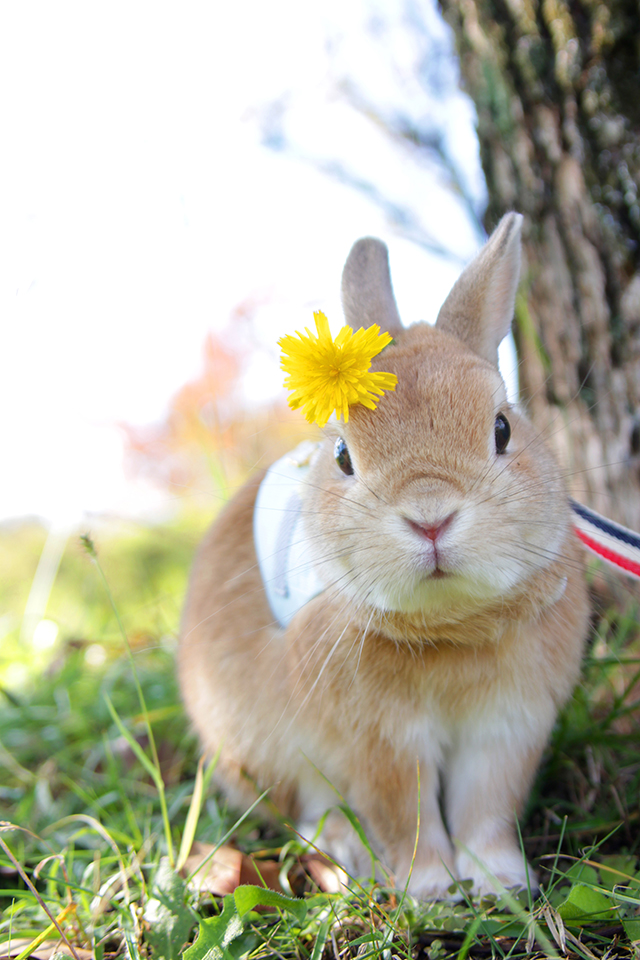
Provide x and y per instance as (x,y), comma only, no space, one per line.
(558,101)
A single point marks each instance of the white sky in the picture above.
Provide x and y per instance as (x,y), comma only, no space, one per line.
(138,206)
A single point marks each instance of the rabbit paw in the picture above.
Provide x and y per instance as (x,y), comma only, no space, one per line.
(432,882)
(341,843)
(495,869)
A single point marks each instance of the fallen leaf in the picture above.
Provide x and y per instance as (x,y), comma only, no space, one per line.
(227,869)
(327,876)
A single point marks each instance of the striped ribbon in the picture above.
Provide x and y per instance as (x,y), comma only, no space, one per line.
(609,540)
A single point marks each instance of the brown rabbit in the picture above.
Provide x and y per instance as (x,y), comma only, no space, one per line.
(447,613)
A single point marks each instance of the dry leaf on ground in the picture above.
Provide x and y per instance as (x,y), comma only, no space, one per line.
(228,868)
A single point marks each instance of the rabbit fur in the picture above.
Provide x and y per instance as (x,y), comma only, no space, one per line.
(451,628)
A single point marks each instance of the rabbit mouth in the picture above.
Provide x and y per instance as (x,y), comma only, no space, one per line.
(438,574)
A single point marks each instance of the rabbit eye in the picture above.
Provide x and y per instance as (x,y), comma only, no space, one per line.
(502,433)
(341,454)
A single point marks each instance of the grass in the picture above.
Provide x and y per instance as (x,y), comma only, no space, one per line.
(101,793)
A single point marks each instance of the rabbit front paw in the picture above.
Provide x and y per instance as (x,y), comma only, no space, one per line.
(433,882)
(496,868)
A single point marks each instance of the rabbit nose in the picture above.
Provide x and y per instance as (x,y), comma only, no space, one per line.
(432,530)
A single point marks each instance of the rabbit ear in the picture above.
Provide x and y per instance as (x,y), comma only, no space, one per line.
(479,309)
(367,295)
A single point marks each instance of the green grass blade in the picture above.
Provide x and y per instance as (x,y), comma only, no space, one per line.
(193,815)
(91,550)
(321,939)
(151,769)
(469,938)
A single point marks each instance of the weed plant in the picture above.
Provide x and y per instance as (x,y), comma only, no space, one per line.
(102,794)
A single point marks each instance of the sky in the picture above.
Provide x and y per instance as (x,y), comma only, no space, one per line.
(163,163)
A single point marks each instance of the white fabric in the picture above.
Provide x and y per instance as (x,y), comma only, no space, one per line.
(283,552)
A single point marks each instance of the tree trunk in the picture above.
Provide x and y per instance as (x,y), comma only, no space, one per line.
(558,100)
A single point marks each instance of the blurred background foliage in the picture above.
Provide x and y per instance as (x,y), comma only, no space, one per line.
(51,600)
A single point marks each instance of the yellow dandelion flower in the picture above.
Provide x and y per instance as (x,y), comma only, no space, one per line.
(327,374)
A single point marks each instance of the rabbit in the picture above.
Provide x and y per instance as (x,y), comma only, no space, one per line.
(421,680)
